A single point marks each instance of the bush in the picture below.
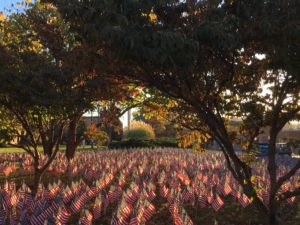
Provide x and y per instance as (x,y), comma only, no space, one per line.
(139,130)
(132,143)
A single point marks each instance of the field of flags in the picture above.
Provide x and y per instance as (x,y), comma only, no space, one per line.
(126,185)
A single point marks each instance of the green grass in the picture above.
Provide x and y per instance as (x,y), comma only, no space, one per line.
(11,150)
(40,148)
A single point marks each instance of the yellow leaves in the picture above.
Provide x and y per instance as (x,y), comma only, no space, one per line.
(152,16)
(252,178)
(52,20)
(23,2)
(251,199)
(9,35)
(36,46)
(139,130)
(193,139)
(171,103)
(2,16)
(245,144)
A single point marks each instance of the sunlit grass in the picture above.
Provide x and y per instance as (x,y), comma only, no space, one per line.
(40,148)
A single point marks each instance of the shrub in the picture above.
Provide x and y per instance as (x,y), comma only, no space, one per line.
(140,130)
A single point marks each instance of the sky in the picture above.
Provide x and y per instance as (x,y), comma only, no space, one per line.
(6,4)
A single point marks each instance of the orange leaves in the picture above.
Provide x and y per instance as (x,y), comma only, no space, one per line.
(48,5)
(93,128)
(81,83)
(134,92)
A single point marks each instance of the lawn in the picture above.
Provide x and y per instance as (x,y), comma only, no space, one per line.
(40,148)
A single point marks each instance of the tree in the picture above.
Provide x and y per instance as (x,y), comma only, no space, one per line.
(81,129)
(186,126)
(163,127)
(8,127)
(87,82)
(82,85)
(111,110)
(96,136)
(216,58)
(31,91)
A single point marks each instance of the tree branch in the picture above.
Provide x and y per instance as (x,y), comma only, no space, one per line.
(22,147)
(288,175)
(289,194)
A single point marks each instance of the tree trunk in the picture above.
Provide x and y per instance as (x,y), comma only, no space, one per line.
(273,216)
(109,131)
(68,171)
(36,181)
(72,143)
(48,150)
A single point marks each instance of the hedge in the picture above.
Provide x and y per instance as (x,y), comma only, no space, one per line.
(132,143)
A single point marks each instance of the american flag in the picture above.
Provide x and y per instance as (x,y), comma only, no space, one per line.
(202,200)
(114,193)
(217,203)
(87,219)
(164,191)
(97,208)
(227,189)
(210,197)
(134,220)
(291,200)
(149,211)
(63,216)
(179,177)
(244,200)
